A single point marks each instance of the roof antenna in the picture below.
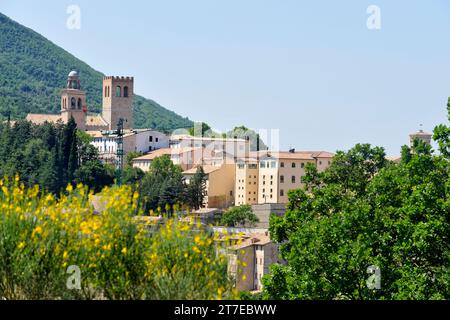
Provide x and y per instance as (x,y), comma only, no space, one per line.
(421,127)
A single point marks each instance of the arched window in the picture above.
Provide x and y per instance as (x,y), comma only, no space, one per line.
(109,91)
(125,92)
(118,91)
(106,91)
(79,103)
(73,103)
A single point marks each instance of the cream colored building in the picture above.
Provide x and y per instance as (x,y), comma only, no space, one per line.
(247,181)
(235,148)
(219,184)
(250,259)
(138,140)
(276,173)
(420,135)
(184,157)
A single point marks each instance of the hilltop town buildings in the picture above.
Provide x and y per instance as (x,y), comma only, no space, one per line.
(234,175)
(266,176)
(118,94)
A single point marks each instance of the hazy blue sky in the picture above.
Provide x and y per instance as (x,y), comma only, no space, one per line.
(309,68)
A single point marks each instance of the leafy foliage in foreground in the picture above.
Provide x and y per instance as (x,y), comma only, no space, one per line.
(362,212)
(239,216)
(119,257)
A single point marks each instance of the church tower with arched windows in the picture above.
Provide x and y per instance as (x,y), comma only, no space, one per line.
(118,101)
(73,102)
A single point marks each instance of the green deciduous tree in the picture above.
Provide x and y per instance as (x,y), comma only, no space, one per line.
(242,132)
(130,156)
(365,213)
(94,174)
(132,176)
(200,129)
(239,216)
(162,185)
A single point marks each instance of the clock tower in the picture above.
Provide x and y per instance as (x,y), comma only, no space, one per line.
(73,102)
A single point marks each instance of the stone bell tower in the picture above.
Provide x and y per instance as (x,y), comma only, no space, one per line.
(118,101)
(73,102)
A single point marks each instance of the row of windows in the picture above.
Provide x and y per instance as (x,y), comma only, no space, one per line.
(249,199)
(74,104)
(250,165)
(150,139)
(293,165)
(242,181)
(273,165)
(271,190)
(293,179)
(101,140)
(268,164)
(264,195)
(107,149)
(118,92)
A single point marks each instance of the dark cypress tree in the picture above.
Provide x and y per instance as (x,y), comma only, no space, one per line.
(66,152)
(72,166)
(196,191)
(48,177)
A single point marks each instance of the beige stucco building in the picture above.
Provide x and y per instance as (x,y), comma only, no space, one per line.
(234,147)
(247,181)
(219,184)
(249,259)
(420,135)
(267,177)
(184,157)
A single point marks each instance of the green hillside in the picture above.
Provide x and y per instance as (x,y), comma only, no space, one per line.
(33,70)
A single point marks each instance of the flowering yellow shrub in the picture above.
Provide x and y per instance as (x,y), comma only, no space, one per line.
(118,257)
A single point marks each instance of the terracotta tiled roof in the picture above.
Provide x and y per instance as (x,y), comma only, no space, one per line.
(421,133)
(99,133)
(160,152)
(193,138)
(95,120)
(42,118)
(207,169)
(297,155)
(322,154)
(394,158)
(254,239)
